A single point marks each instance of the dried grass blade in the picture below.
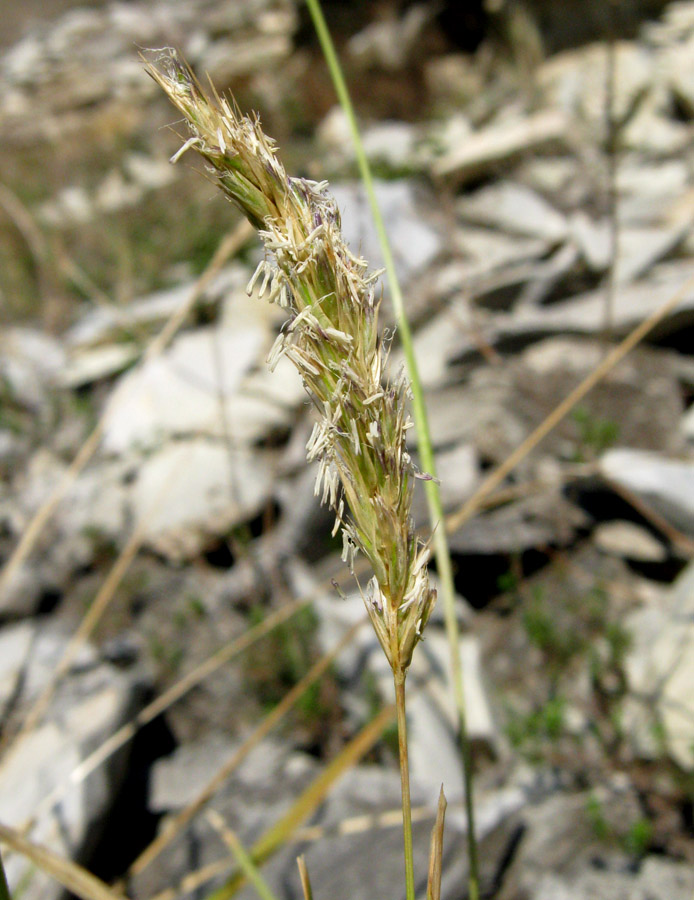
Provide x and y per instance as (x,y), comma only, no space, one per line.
(436,851)
(303,875)
(72,877)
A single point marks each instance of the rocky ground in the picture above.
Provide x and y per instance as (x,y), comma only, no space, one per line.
(539,190)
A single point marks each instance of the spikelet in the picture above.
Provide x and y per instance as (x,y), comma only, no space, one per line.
(332,338)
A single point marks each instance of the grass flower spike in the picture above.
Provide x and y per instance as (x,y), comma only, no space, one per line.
(332,338)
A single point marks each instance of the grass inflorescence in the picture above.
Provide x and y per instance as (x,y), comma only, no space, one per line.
(333,339)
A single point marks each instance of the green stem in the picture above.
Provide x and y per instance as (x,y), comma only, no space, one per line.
(426,451)
(399,682)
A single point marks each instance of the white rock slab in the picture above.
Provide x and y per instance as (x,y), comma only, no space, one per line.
(415,243)
(514,208)
(30,361)
(660,674)
(90,704)
(184,390)
(585,313)
(630,541)
(193,489)
(665,484)
(500,143)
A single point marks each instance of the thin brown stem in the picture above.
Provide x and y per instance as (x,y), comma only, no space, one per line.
(399,682)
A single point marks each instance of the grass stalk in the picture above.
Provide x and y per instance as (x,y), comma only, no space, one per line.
(426,451)
(399,684)
(305,880)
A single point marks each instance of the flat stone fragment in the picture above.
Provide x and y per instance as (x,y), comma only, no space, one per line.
(629,541)
(516,209)
(574,80)
(30,362)
(640,248)
(97,363)
(498,144)
(415,243)
(666,484)
(660,674)
(90,704)
(188,390)
(192,490)
(585,313)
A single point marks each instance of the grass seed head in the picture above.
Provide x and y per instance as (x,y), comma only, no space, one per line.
(333,340)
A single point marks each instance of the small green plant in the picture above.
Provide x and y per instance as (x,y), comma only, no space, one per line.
(635,836)
(595,435)
(639,837)
(531,732)
(595,810)
(558,640)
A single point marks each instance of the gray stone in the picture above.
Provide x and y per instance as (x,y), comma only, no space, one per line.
(593,239)
(501,143)
(650,193)
(192,490)
(536,522)
(660,673)
(30,363)
(640,248)
(178,779)
(665,484)
(388,43)
(559,842)
(89,705)
(658,878)
(106,323)
(516,209)
(485,250)
(585,313)
(629,541)
(391,143)
(87,366)
(195,387)
(415,243)
(574,81)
